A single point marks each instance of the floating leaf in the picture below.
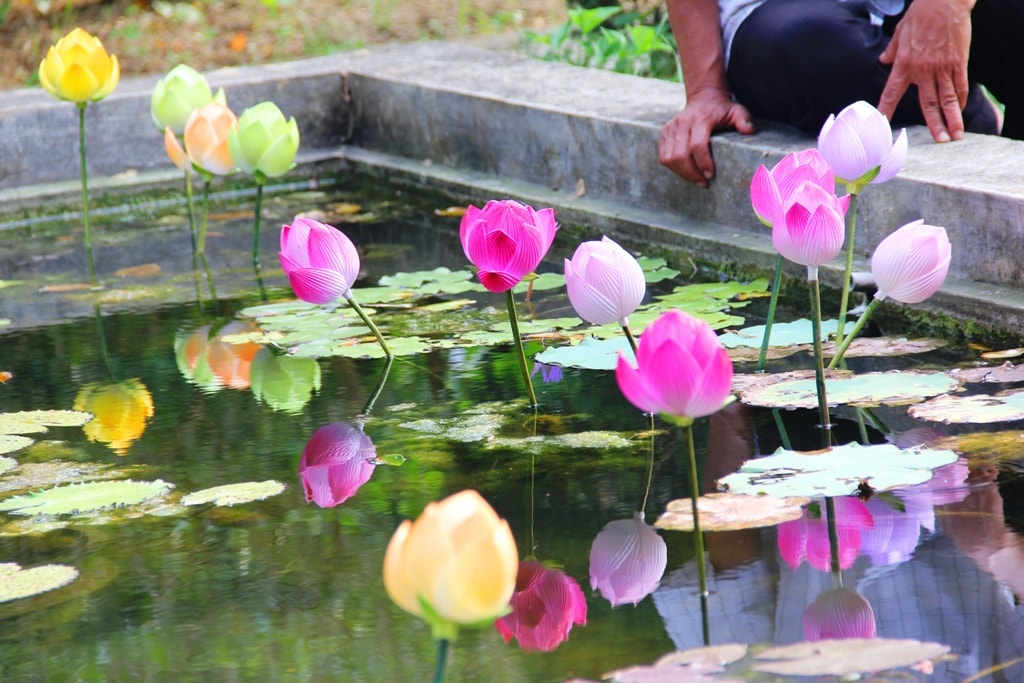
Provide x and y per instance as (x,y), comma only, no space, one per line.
(10,443)
(36,475)
(798,390)
(33,421)
(145,270)
(1005,406)
(885,346)
(1004,374)
(684,666)
(847,657)
(234,494)
(80,498)
(796,333)
(589,354)
(17,583)
(836,471)
(731,511)
(1000,355)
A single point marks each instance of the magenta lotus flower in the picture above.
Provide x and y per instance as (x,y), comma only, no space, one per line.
(337,460)
(858,141)
(682,369)
(546,605)
(807,537)
(605,282)
(810,229)
(769,189)
(911,263)
(627,560)
(506,240)
(839,613)
(320,261)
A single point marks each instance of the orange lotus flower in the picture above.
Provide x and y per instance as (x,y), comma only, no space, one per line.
(121,411)
(206,141)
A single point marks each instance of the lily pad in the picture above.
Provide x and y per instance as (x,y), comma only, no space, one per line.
(35,475)
(684,666)
(234,494)
(10,443)
(35,421)
(795,333)
(836,471)
(798,389)
(731,511)
(1005,373)
(1005,406)
(589,354)
(81,498)
(17,583)
(885,347)
(847,657)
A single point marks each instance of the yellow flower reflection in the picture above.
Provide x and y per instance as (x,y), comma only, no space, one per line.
(121,411)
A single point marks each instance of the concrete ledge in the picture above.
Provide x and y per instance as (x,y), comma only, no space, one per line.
(488,123)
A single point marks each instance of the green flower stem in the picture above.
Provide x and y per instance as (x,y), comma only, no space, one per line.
(875,422)
(191,208)
(379,388)
(851,231)
(514,320)
(698,537)
(630,338)
(781,426)
(209,277)
(369,323)
(650,470)
(762,357)
(819,365)
(833,542)
(85,193)
(206,210)
(443,645)
(256,225)
(853,333)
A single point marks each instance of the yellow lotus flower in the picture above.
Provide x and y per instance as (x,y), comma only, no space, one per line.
(206,140)
(455,565)
(121,411)
(79,69)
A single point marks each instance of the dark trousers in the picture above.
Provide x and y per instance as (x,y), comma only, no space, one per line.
(797,61)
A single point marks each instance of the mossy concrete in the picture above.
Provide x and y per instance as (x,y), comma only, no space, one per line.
(483,124)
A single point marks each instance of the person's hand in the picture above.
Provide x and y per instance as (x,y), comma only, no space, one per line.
(929,49)
(685,143)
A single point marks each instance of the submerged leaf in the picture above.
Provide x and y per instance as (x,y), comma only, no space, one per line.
(836,471)
(80,498)
(731,511)
(846,657)
(234,494)
(17,583)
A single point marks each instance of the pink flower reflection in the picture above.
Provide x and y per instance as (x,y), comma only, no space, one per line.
(839,613)
(337,460)
(807,537)
(546,605)
(627,560)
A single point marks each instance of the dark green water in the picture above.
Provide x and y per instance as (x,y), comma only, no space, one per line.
(284,590)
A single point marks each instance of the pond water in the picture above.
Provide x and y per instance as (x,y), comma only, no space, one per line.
(286,590)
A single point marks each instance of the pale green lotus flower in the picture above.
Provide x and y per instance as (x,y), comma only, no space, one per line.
(177,95)
(264,144)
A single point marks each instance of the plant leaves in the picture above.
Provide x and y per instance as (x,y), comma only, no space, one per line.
(795,333)
(1005,406)
(234,494)
(798,389)
(80,498)
(35,421)
(17,583)
(846,657)
(836,471)
(684,666)
(1005,373)
(731,511)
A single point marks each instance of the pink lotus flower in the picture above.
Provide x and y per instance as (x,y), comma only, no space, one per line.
(506,240)
(337,460)
(321,262)
(769,189)
(627,560)
(807,537)
(859,140)
(810,228)
(682,370)
(605,282)
(895,527)
(839,613)
(911,263)
(546,605)
(206,140)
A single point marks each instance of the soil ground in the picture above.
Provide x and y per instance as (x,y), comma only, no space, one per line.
(152,36)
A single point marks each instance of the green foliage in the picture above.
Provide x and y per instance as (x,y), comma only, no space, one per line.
(607,37)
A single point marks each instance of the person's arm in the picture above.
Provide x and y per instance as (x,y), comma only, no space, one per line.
(929,49)
(685,144)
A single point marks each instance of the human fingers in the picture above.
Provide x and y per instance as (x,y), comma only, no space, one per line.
(674,154)
(895,87)
(950,104)
(932,109)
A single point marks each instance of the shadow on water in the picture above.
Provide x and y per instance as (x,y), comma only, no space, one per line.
(289,588)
